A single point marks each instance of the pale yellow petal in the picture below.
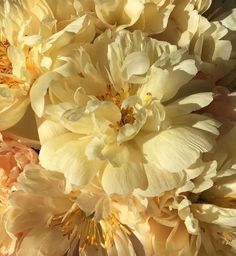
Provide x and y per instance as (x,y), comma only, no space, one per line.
(177,148)
(66,153)
(126,177)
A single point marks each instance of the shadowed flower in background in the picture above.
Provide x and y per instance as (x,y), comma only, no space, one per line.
(223,106)
(47,219)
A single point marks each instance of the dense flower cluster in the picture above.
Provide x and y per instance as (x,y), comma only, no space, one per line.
(117,127)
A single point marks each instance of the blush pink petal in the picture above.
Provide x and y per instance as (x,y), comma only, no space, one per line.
(14,157)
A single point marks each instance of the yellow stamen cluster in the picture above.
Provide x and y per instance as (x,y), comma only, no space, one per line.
(226,237)
(127,114)
(110,95)
(5,64)
(109,228)
(81,229)
(84,231)
(6,76)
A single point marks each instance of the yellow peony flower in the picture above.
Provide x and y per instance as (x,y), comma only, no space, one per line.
(34,53)
(211,40)
(198,218)
(47,219)
(150,16)
(16,69)
(122,122)
(182,225)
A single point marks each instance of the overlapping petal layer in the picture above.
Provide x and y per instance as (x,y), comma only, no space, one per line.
(130,105)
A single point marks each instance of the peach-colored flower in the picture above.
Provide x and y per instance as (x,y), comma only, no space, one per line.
(13,158)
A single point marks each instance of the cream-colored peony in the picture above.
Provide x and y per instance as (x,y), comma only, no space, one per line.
(124,122)
(197,219)
(214,42)
(16,69)
(45,216)
(211,40)
(182,226)
(35,51)
(150,16)
(54,58)
(13,158)
(184,21)
(186,224)
(72,9)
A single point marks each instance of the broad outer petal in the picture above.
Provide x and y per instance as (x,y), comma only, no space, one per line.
(215,215)
(177,148)
(66,153)
(189,104)
(46,242)
(13,114)
(125,178)
(160,180)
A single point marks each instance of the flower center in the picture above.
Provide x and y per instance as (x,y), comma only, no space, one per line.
(5,64)
(84,231)
(127,114)
(112,96)
(6,76)
(109,228)
(77,226)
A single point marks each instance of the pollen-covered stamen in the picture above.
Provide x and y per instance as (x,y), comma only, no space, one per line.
(30,65)
(5,64)
(127,116)
(109,230)
(128,113)
(10,81)
(6,76)
(81,229)
(147,99)
(113,96)
(110,95)
(226,237)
